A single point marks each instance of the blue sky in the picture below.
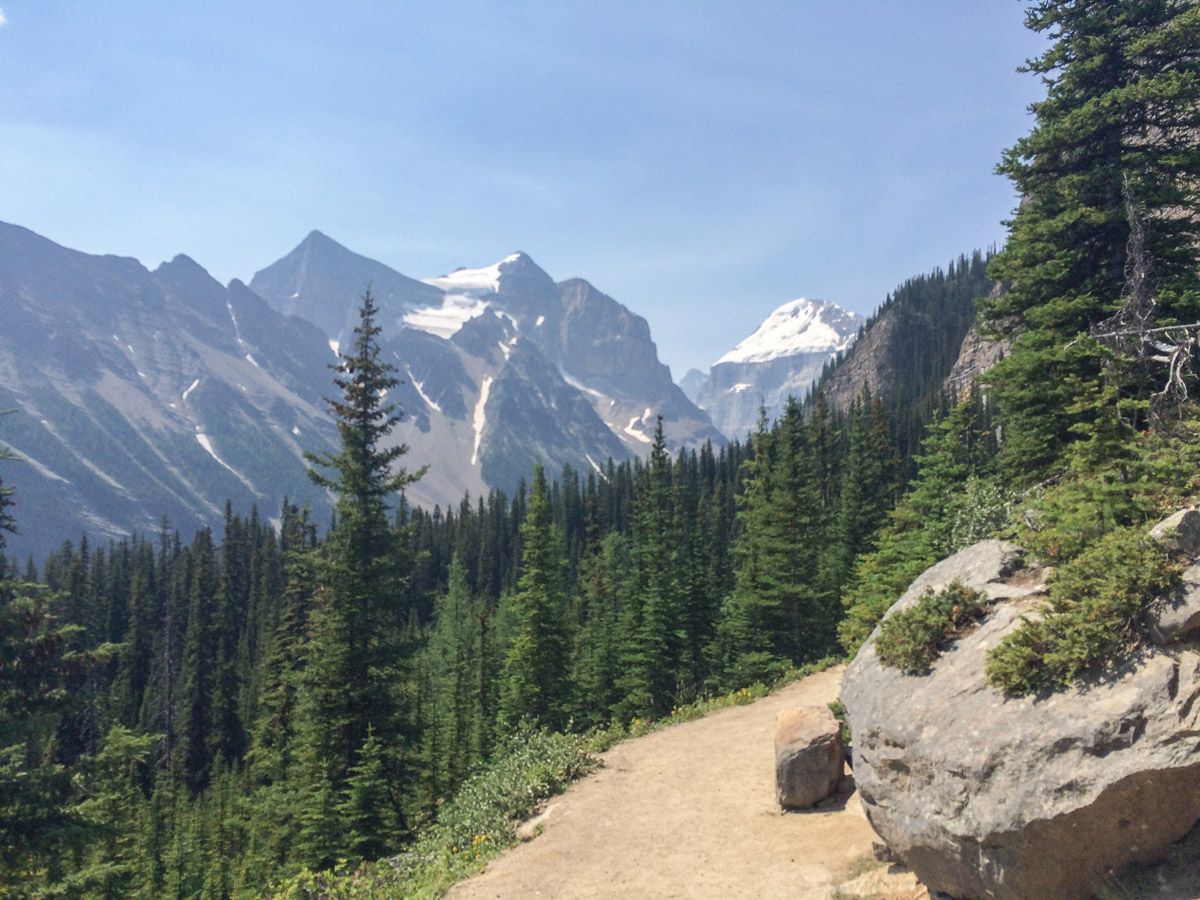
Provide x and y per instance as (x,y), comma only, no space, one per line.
(700,162)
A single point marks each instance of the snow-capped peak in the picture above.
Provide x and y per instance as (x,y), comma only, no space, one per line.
(799,326)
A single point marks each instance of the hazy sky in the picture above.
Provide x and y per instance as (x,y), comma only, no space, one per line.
(700,162)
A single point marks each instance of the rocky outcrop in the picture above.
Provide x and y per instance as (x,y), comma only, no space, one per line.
(977,356)
(809,756)
(983,795)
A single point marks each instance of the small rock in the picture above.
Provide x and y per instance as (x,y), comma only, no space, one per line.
(1177,617)
(808,756)
(1180,533)
(531,828)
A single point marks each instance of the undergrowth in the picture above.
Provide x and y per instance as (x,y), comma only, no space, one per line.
(1093,614)
(911,639)
(479,822)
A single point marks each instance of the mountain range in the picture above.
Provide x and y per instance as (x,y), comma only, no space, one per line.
(142,394)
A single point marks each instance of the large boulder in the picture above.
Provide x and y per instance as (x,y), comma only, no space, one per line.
(983,795)
(809,756)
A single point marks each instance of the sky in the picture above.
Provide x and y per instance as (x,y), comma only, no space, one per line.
(701,162)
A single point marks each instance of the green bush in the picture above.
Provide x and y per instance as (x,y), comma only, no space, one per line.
(1093,614)
(913,638)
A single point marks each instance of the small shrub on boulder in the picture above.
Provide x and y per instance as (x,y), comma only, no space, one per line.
(911,639)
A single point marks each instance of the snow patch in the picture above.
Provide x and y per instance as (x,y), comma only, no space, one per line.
(541,320)
(480,418)
(799,326)
(485,280)
(191,387)
(43,470)
(250,359)
(595,465)
(634,430)
(203,441)
(740,387)
(336,347)
(591,392)
(444,321)
(421,390)
(296,430)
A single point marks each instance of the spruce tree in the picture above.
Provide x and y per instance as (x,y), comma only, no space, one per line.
(534,683)
(650,621)
(355,681)
(1118,124)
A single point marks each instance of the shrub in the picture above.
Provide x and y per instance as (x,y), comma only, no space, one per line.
(1093,614)
(913,638)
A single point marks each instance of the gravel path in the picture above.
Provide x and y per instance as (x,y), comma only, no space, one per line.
(690,812)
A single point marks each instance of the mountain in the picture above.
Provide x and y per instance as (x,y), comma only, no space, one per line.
(139,394)
(783,357)
(917,350)
(536,369)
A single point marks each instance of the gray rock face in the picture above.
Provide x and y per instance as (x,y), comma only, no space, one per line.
(1180,533)
(808,756)
(987,796)
(1177,618)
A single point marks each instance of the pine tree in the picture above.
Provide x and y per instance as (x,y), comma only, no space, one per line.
(355,680)
(921,528)
(1118,122)
(534,681)
(650,625)
(193,763)
(453,660)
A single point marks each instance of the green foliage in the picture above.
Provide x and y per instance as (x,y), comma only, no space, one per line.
(534,686)
(911,639)
(354,677)
(1093,614)
(935,518)
(479,822)
(1123,84)
(1151,476)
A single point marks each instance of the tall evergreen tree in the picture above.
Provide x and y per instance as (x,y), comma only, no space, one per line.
(534,685)
(355,681)
(1119,122)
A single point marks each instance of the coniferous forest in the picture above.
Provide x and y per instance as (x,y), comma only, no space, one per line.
(211,715)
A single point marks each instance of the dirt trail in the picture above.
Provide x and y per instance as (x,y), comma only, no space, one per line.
(690,812)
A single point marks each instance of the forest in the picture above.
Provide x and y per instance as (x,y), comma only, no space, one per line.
(215,716)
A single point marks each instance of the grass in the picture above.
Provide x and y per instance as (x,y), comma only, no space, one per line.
(480,821)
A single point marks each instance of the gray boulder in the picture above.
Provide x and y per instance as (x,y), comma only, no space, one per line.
(1177,618)
(808,756)
(1180,533)
(987,796)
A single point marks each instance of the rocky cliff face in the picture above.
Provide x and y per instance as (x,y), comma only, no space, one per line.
(976,357)
(868,366)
